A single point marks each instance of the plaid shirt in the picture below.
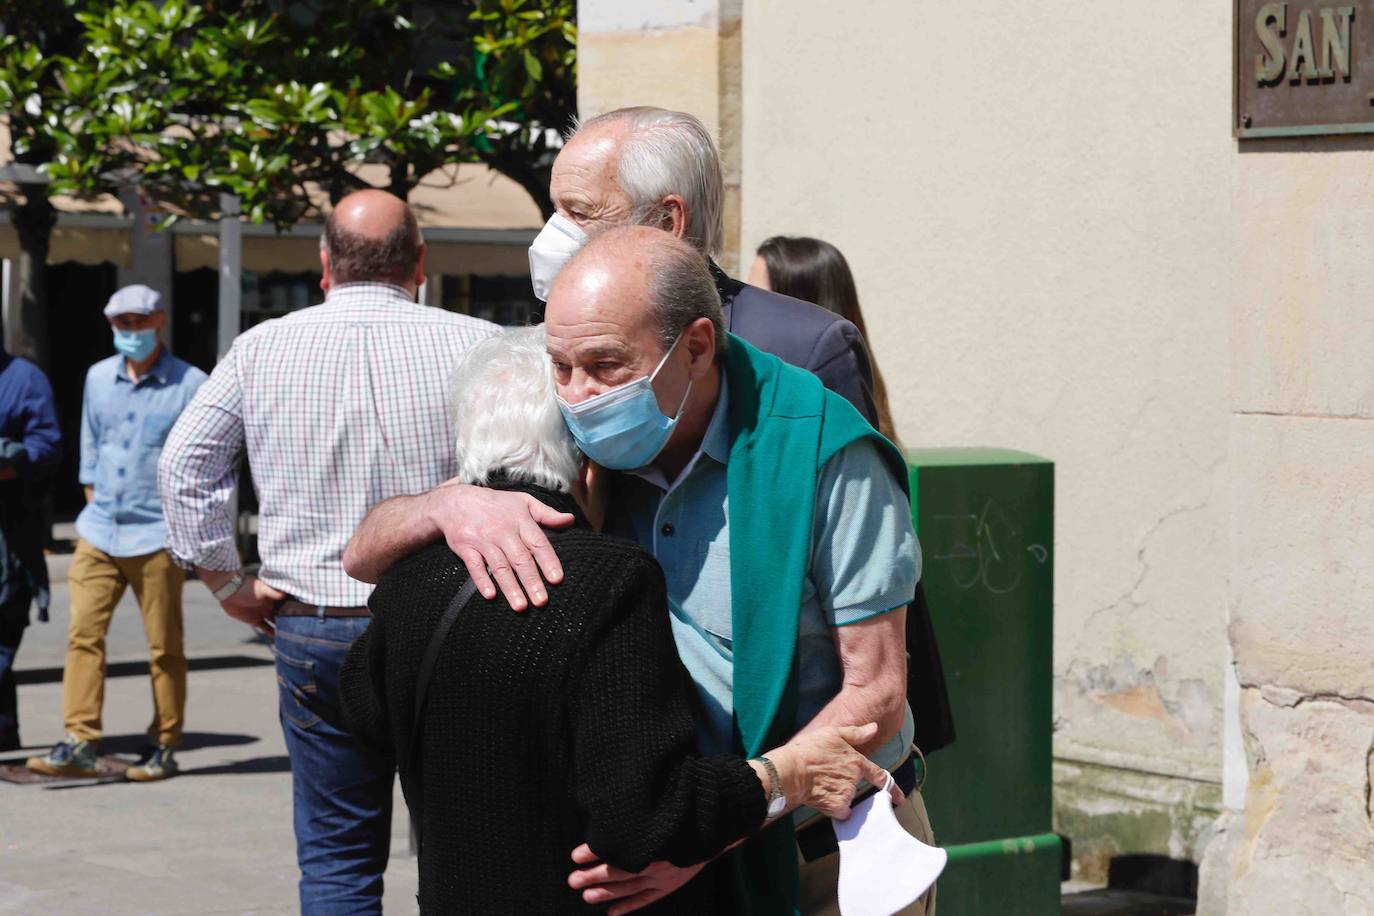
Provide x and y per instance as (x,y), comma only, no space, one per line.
(340,406)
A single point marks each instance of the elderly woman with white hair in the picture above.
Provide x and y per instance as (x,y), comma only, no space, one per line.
(569,721)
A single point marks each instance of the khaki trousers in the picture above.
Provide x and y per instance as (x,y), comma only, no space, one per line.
(820,879)
(97,582)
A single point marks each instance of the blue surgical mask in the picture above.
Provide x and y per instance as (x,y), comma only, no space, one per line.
(623,428)
(137,345)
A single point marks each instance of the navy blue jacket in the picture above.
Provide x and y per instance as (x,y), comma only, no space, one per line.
(805,335)
(30,444)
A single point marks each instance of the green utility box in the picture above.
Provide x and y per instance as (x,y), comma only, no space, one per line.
(986,523)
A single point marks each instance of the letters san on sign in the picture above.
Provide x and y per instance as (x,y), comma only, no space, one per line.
(1303,68)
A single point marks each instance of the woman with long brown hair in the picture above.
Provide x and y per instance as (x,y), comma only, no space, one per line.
(815,271)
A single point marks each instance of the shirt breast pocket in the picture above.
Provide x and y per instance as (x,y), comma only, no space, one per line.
(710,593)
(156,426)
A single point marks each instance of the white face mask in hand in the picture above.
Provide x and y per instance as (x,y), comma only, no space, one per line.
(551,249)
(882,867)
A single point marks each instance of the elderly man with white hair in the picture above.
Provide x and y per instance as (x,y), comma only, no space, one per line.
(648,166)
(595,738)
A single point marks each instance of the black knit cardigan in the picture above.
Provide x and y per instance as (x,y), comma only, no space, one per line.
(544,729)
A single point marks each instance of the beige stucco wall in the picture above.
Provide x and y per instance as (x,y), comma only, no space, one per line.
(1036,214)
(1302,555)
(678,54)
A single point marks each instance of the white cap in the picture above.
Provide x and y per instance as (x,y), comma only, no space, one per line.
(134,300)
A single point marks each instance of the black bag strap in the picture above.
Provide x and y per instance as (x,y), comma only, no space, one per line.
(436,642)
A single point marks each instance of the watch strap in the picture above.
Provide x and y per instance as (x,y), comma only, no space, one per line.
(776,799)
(223,593)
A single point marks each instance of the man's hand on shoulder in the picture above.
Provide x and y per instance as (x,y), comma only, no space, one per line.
(499,534)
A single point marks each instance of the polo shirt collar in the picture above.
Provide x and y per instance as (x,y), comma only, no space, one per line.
(365,289)
(715,444)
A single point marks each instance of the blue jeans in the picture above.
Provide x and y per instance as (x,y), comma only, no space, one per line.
(341,797)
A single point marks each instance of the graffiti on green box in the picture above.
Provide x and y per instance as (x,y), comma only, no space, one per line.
(983,549)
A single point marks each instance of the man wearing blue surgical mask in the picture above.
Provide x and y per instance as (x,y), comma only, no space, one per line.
(781,521)
(131,401)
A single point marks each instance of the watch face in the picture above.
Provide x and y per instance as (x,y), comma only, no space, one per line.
(777,806)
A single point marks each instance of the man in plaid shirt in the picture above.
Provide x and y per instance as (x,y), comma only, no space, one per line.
(339,406)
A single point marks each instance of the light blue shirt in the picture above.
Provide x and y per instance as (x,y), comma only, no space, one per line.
(123,427)
(865,561)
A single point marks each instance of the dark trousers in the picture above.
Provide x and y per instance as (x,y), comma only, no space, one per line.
(341,798)
(14,619)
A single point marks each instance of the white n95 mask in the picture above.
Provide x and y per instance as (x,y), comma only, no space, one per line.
(883,869)
(551,250)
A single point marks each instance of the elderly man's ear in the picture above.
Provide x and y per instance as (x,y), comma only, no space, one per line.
(420,268)
(674,218)
(699,339)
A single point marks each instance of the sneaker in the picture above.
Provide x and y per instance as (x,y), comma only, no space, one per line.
(69,757)
(159,764)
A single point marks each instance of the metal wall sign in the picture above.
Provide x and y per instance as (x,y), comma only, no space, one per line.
(1303,68)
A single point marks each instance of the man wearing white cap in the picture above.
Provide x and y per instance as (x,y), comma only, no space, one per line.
(131,401)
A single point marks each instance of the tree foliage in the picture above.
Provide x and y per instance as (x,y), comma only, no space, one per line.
(265,99)
(269,100)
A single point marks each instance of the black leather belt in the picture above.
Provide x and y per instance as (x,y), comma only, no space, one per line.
(817,839)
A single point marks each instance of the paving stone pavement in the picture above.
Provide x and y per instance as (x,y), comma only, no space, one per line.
(216,839)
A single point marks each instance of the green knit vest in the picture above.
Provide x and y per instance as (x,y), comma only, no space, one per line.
(784,426)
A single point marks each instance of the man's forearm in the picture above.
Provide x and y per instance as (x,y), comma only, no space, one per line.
(873,653)
(391,531)
(883,702)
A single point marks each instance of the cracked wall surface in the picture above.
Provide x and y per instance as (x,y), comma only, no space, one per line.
(1302,625)
(1304,842)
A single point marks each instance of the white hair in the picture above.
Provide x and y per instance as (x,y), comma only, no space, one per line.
(505,417)
(670,152)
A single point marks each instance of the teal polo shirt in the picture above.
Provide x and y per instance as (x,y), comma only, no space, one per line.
(865,561)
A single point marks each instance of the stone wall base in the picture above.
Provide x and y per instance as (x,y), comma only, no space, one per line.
(1108,811)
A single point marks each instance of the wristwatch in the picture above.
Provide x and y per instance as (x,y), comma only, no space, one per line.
(777,802)
(223,593)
